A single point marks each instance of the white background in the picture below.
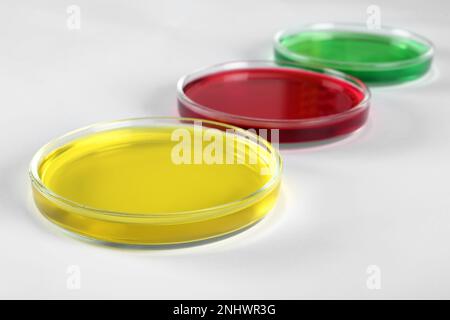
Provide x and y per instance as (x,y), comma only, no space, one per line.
(380,197)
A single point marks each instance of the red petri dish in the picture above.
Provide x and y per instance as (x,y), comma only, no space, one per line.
(304,105)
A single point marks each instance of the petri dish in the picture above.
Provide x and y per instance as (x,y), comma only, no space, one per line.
(379,56)
(155,181)
(285,102)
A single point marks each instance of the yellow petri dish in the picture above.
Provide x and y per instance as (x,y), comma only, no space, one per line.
(155,181)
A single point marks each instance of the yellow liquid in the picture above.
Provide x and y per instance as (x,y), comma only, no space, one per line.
(131,174)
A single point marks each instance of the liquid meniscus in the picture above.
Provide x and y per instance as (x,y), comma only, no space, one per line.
(278,98)
(371,57)
(129,186)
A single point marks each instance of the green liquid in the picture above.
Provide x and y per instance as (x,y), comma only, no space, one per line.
(351,52)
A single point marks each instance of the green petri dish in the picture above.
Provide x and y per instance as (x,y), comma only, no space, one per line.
(379,56)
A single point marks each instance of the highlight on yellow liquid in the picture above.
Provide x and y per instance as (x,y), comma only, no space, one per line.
(122,184)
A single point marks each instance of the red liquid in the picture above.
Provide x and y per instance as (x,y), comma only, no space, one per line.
(267,97)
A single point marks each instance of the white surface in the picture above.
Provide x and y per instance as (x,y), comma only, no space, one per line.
(378,197)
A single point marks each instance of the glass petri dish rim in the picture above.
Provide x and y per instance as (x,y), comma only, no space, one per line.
(272,123)
(122,123)
(353,27)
